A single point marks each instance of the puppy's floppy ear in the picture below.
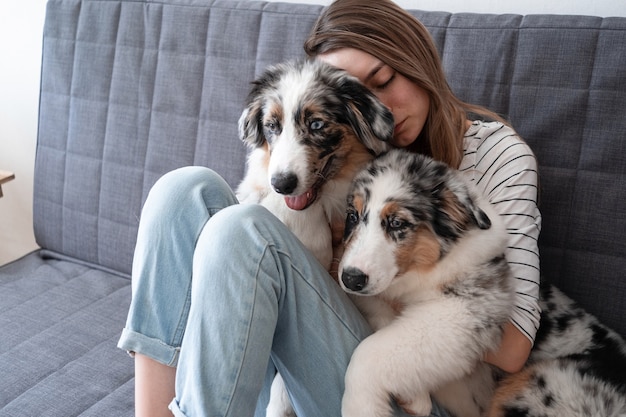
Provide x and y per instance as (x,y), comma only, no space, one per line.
(460,209)
(368,116)
(251,119)
(477,216)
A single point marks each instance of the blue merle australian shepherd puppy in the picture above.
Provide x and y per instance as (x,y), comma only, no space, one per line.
(424,260)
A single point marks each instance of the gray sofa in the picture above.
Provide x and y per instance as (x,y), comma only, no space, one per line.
(132,89)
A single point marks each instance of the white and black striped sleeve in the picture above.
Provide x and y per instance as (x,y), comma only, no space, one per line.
(504,169)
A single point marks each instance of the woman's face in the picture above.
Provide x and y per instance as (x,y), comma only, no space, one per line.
(408,102)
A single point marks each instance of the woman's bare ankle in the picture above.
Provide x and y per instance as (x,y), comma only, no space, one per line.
(154,387)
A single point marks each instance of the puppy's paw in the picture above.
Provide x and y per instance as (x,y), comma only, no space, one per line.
(365,406)
(279,404)
(363,397)
(420,405)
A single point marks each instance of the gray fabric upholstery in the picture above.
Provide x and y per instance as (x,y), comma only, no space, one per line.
(132,89)
(60,322)
(562,86)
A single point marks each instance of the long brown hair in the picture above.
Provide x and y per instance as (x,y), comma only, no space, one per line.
(391,34)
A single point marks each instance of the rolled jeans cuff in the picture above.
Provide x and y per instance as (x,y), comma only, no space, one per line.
(134,342)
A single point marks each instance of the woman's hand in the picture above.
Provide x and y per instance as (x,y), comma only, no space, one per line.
(513,352)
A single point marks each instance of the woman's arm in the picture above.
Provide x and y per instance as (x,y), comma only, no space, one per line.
(504,168)
(513,352)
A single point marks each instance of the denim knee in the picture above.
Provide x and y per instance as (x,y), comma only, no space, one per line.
(178,207)
(241,226)
(180,187)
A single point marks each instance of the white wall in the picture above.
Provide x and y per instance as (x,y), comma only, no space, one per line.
(602,8)
(21,25)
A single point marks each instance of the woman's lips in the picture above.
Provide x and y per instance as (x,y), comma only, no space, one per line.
(398,127)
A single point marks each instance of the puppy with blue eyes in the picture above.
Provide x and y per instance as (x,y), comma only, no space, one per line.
(424,261)
(310,128)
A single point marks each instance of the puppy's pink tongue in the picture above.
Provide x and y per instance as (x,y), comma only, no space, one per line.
(302,201)
(299,202)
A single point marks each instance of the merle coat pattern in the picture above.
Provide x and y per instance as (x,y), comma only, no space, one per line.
(418,237)
(310,128)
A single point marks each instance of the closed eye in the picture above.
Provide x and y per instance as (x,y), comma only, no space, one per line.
(386,84)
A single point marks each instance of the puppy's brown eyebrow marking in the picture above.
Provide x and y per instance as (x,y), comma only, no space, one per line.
(391,207)
(358,203)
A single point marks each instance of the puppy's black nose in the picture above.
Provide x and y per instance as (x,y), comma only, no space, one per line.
(285,182)
(354,279)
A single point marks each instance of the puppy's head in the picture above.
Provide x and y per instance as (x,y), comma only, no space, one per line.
(405,212)
(314,120)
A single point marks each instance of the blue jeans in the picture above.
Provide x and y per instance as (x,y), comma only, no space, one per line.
(258,301)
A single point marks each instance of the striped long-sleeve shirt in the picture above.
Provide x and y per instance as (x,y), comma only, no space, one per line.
(504,169)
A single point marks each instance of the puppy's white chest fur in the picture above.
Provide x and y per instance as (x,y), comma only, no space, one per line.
(310,226)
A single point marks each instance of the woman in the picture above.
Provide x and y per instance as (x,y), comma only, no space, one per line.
(213,342)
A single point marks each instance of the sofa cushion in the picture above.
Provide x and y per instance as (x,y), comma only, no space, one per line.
(559,83)
(60,323)
(131,90)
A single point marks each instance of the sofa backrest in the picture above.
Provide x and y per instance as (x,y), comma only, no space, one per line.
(132,89)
